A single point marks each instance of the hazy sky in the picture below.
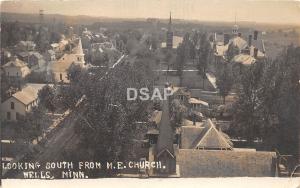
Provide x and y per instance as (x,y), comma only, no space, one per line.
(272,11)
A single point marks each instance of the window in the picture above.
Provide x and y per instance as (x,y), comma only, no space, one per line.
(17,115)
(60,76)
(78,58)
(8,116)
(17,74)
(12,105)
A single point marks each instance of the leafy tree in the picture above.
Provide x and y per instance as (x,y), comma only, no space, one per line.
(224,81)
(178,113)
(47,97)
(232,51)
(204,55)
(246,116)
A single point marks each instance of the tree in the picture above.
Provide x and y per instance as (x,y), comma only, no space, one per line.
(178,113)
(224,81)
(107,124)
(232,51)
(246,117)
(31,126)
(47,97)
(180,60)
(204,54)
(74,72)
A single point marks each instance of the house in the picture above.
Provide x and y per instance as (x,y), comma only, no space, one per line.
(254,48)
(16,69)
(50,55)
(205,151)
(36,61)
(21,102)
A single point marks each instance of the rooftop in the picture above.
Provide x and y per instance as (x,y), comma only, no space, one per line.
(29,93)
(221,163)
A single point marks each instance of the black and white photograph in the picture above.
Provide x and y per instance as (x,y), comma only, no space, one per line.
(160,92)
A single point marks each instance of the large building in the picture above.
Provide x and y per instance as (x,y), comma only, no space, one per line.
(172,42)
(21,102)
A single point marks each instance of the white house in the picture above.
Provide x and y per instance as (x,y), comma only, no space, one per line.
(21,102)
(16,69)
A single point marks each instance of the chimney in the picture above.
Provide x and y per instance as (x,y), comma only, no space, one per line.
(255,53)
(255,35)
(239,34)
(226,39)
(250,40)
(194,119)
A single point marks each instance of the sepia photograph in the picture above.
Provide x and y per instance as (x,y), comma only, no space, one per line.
(165,93)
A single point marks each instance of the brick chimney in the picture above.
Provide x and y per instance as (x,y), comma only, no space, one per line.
(255,35)
(255,52)
(250,40)
(194,119)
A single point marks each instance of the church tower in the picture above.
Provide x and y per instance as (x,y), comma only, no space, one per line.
(170,34)
(79,55)
(235,27)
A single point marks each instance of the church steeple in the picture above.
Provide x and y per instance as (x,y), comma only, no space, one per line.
(170,34)
(170,22)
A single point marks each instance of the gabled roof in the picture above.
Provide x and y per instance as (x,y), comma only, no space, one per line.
(189,134)
(16,63)
(28,94)
(239,42)
(212,138)
(165,150)
(203,136)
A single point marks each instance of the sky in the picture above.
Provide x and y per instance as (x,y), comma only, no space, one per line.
(264,11)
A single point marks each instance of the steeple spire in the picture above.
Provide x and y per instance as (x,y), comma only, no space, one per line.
(170,22)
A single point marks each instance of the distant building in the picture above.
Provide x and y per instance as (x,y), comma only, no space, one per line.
(16,69)
(172,42)
(21,102)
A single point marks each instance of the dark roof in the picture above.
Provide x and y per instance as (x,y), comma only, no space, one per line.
(165,137)
(217,163)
